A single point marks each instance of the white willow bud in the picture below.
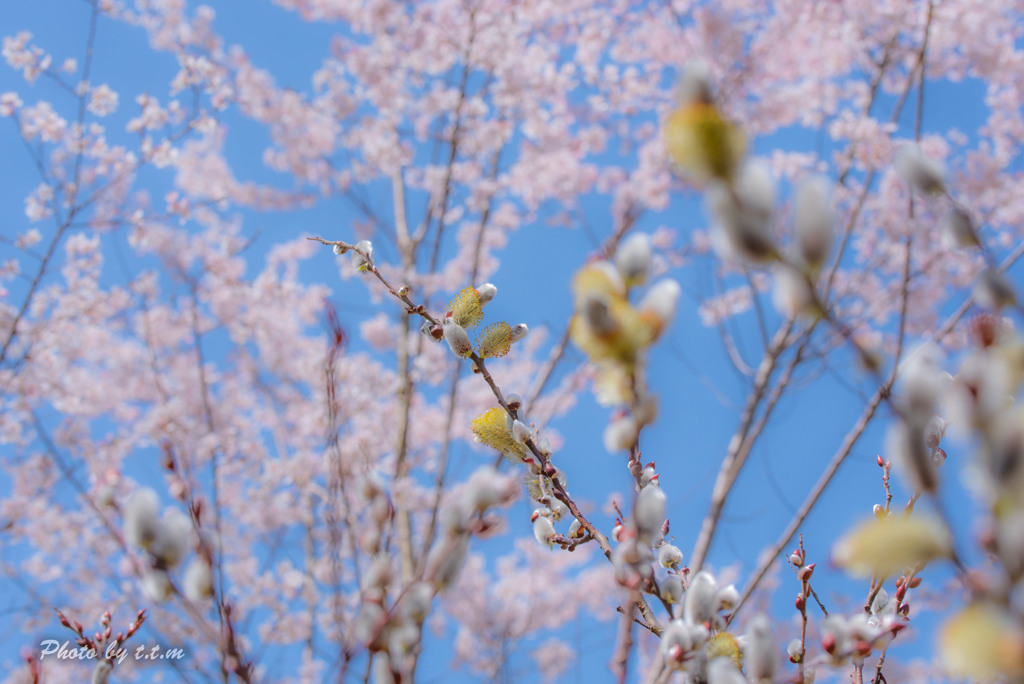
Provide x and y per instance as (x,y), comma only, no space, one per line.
(743,213)
(172,538)
(791,293)
(157,585)
(727,597)
(486,292)
(722,670)
(339,250)
(633,259)
(934,431)
(360,262)
(695,84)
(519,332)
(958,229)
(198,582)
(444,563)
(994,291)
(699,603)
(487,487)
(671,589)
(576,530)
(650,512)
(521,432)
(670,556)
(679,640)
(382,673)
(906,447)
(415,605)
(620,434)
(543,530)
(759,652)
(922,173)
(813,220)
(922,380)
(661,300)
(793,650)
(140,517)
(457,338)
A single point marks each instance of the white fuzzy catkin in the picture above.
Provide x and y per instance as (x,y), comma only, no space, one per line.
(198,582)
(921,172)
(813,220)
(457,338)
(633,259)
(650,512)
(140,517)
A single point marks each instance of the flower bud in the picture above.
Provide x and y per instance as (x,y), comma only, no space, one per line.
(444,563)
(760,650)
(723,670)
(813,220)
(198,582)
(415,605)
(172,539)
(993,291)
(486,292)
(543,530)
(576,530)
(934,431)
(670,556)
(695,84)
(140,517)
(633,259)
(743,213)
(457,338)
(794,650)
(338,249)
(620,434)
(487,487)
(699,603)
(879,511)
(650,511)
(906,445)
(958,229)
(521,432)
(728,597)
(671,589)
(922,173)
(661,301)
(519,331)
(791,292)
(157,585)
(359,261)
(806,572)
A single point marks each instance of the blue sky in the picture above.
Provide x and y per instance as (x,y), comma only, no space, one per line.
(700,392)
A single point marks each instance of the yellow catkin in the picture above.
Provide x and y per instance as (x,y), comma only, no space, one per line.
(495,340)
(724,644)
(491,428)
(702,144)
(465,308)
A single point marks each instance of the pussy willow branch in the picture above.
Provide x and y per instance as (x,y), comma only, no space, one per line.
(453,390)
(559,491)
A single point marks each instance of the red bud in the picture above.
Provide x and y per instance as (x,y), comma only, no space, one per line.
(915,582)
(880,461)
